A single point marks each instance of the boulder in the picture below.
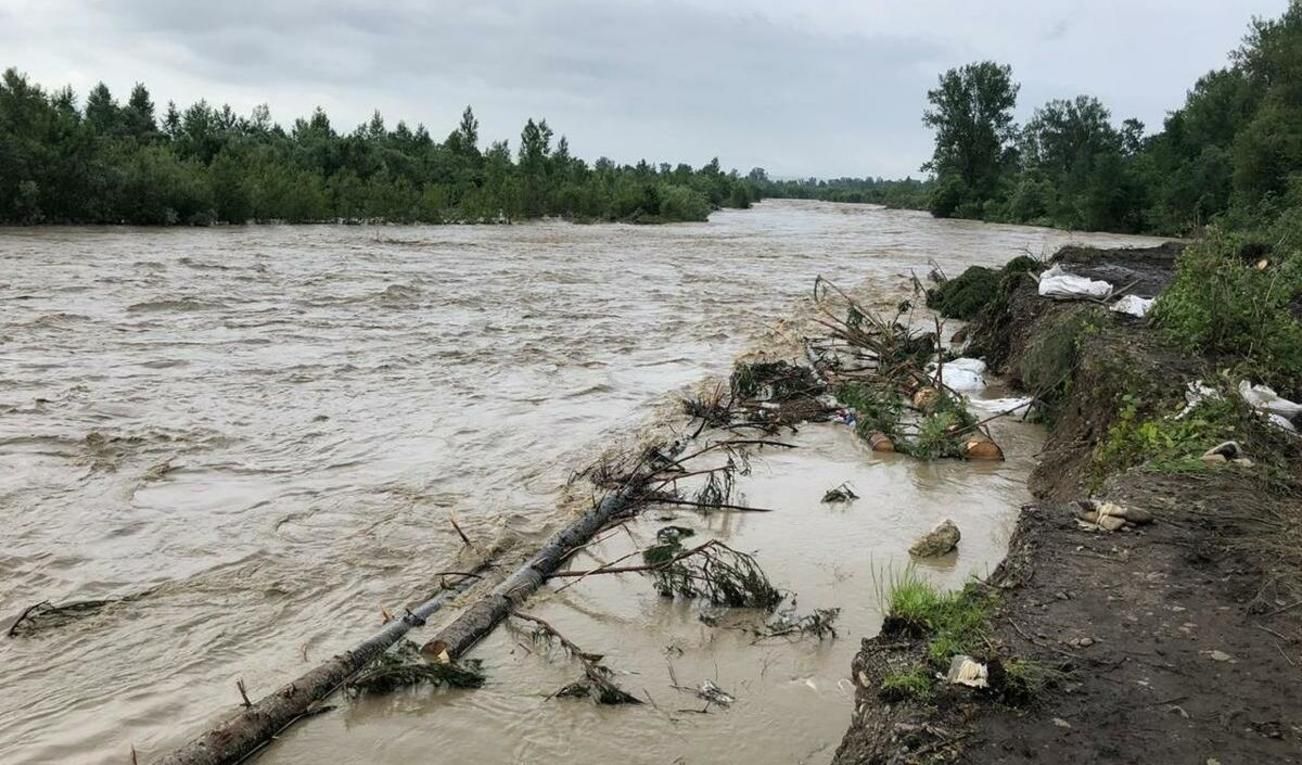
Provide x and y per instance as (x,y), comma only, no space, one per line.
(939,541)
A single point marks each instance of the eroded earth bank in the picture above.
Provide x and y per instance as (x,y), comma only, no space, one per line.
(1175,639)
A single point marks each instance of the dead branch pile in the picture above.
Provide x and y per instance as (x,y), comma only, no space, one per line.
(764,396)
(881,370)
(712,571)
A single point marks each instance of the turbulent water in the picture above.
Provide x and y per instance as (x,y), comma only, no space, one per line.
(256,436)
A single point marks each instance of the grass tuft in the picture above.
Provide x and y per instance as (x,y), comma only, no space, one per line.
(955,622)
(915,684)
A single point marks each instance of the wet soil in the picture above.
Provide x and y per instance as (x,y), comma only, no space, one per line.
(1177,642)
(1143,271)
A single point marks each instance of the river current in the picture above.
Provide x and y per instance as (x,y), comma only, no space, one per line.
(256,435)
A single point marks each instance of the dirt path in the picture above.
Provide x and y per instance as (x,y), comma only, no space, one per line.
(1167,661)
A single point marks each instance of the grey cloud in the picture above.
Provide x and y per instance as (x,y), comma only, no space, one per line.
(825,87)
(689,83)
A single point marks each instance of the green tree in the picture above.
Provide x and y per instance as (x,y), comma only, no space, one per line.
(102,112)
(138,115)
(972,115)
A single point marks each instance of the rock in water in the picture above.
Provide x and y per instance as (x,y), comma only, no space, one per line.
(938,541)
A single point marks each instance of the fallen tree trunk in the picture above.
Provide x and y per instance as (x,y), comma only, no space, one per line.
(258,724)
(482,616)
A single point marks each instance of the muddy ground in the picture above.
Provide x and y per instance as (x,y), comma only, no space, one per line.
(1176,642)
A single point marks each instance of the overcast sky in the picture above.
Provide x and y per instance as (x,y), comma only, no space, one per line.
(819,87)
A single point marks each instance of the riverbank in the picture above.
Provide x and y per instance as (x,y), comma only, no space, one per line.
(1175,641)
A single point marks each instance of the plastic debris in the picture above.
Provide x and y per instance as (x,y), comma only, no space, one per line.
(1059,284)
(1229,451)
(1264,399)
(1196,393)
(964,670)
(1133,305)
(880,442)
(925,398)
(939,541)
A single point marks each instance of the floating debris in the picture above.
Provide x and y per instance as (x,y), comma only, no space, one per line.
(46,615)
(819,623)
(597,682)
(403,666)
(713,571)
(712,693)
(842,493)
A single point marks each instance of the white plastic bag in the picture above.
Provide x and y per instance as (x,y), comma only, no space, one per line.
(1061,285)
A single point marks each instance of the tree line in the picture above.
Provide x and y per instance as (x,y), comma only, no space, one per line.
(908,193)
(1232,152)
(1226,166)
(108,162)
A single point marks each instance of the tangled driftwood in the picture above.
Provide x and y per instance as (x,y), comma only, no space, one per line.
(880,368)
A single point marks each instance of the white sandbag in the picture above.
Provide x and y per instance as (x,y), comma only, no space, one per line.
(1061,285)
(1134,305)
(1264,399)
(1279,421)
(972,365)
(961,374)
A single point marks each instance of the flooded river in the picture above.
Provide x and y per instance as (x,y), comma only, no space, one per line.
(257,435)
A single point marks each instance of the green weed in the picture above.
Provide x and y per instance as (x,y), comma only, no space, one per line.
(1221,303)
(955,622)
(915,684)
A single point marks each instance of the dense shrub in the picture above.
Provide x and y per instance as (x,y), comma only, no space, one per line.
(1239,298)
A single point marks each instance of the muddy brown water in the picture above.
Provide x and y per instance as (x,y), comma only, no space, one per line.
(264,429)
